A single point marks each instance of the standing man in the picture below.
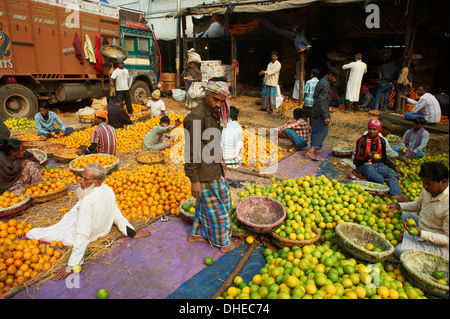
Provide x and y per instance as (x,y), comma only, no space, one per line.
(427,106)
(387,75)
(206,169)
(271,76)
(320,113)
(432,219)
(119,80)
(308,90)
(357,71)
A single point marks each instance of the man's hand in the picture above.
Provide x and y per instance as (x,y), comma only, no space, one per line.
(224,167)
(393,207)
(411,155)
(399,171)
(262,72)
(62,273)
(177,122)
(142,233)
(196,189)
(407,228)
(403,96)
(80,151)
(326,121)
(24,162)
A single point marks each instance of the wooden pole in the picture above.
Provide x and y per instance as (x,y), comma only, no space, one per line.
(302,77)
(235,271)
(233,71)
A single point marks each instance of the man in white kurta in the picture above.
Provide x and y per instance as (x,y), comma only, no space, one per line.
(357,71)
(91,217)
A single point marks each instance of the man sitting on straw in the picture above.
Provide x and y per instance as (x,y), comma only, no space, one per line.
(206,169)
(433,217)
(91,217)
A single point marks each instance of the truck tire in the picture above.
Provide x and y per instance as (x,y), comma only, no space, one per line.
(17,101)
(139,91)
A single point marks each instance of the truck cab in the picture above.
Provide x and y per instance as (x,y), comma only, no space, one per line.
(43,53)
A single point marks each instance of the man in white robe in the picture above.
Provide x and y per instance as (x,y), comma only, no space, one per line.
(91,217)
(357,71)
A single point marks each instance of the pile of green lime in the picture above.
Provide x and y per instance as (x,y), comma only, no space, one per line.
(20,124)
(321,272)
(189,208)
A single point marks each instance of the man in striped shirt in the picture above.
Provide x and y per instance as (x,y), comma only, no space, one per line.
(104,138)
(427,106)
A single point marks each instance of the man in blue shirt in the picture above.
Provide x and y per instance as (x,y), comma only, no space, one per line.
(308,90)
(45,120)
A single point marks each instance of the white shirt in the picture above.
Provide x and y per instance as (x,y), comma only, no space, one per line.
(156,107)
(121,76)
(357,71)
(90,218)
(231,140)
(272,73)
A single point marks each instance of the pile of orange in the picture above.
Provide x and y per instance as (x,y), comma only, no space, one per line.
(8,199)
(44,188)
(63,174)
(75,139)
(444,120)
(149,190)
(22,259)
(259,151)
(102,160)
(29,137)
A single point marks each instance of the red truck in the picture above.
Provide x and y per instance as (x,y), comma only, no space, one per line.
(45,46)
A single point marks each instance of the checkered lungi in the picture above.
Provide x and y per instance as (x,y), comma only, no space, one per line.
(212,213)
(268,97)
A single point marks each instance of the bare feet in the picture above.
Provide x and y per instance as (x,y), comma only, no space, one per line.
(233,244)
(311,155)
(194,239)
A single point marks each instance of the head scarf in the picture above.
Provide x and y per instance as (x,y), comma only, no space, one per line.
(223,89)
(102,114)
(375,123)
(156,94)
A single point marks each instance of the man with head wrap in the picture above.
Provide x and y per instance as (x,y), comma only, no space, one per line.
(206,169)
(372,162)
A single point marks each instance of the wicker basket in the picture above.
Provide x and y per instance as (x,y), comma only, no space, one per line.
(392,138)
(286,242)
(36,144)
(40,155)
(419,265)
(352,238)
(186,216)
(260,214)
(16,209)
(47,197)
(160,157)
(52,148)
(65,155)
(375,190)
(112,52)
(109,168)
(343,151)
(85,119)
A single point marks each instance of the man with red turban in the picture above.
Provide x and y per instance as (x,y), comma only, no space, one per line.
(371,161)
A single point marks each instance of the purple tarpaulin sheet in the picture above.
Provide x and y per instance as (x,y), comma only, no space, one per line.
(147,268)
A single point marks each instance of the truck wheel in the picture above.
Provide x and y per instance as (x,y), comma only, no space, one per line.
(139,92)
(17,101)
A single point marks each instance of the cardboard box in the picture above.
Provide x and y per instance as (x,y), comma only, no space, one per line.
(167,77)
(169,85)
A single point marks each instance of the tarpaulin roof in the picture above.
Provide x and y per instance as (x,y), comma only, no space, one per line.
(253,6)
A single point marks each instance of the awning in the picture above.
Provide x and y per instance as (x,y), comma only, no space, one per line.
(253,6)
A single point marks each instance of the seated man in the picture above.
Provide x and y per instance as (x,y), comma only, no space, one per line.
(432,206)
(91,217)
(231,139)
(296,130)
(372,162)
(367,100)
(45,122)
(427,106)
(415,140)
(104,137)
(117,116)
(156,106)
(154,139)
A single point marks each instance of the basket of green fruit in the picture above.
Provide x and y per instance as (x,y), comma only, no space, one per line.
(362,242)
(187,210)
(372,188)
(428,271)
